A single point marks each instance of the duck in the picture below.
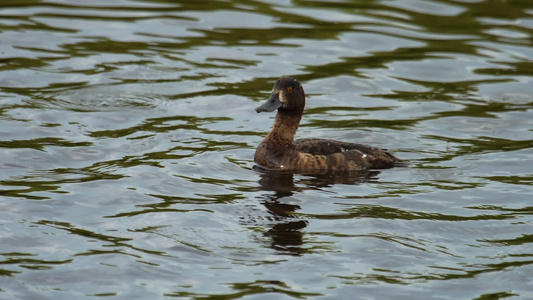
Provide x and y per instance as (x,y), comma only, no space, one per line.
(280,151)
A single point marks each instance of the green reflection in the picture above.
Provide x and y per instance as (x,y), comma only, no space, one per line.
(162,125)
(42,143)
(53,181)
(384,212)
(251,288)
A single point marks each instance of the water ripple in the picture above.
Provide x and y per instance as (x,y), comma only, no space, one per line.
(128,134)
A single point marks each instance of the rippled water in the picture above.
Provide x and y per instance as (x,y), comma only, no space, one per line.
(128,132)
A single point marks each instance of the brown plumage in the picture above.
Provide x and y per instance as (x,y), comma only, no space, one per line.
(279,150)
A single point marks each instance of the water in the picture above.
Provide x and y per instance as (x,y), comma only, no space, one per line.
(128,132)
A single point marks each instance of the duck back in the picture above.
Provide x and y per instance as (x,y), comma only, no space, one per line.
(374,158)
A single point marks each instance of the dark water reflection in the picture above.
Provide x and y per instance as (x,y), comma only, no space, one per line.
(286,232)
(128,135)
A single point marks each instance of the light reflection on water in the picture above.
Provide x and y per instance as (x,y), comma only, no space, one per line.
(128,134)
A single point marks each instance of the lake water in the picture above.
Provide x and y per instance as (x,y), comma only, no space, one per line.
(128,131)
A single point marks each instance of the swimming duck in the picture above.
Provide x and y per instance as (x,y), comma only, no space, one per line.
(279,150)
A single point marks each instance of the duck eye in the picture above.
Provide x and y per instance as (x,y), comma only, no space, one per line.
(289,89)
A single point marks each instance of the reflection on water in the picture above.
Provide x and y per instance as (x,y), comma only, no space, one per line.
(128,134)
(286,231)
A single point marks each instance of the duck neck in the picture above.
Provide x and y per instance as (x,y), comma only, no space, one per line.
(284,128)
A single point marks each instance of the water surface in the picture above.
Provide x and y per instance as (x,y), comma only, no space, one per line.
(128,133)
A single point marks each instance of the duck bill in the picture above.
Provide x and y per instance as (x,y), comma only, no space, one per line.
(271,104)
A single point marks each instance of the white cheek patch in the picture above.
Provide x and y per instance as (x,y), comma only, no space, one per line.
(282,98)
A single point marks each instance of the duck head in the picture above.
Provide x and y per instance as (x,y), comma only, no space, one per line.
(287,97)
